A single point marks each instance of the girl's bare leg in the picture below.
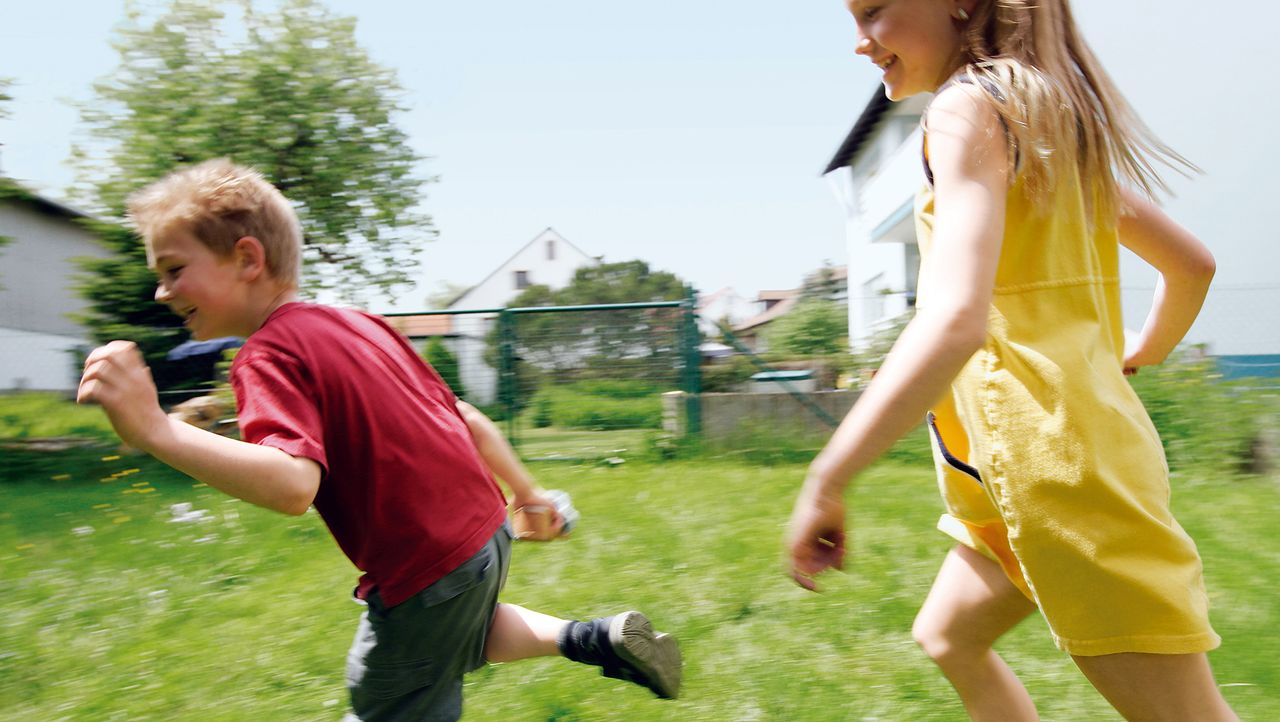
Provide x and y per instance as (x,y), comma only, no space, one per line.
(1158,686)
(971,605)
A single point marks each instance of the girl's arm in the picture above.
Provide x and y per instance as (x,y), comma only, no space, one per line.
(969,159)
(118,379)
(1186,267)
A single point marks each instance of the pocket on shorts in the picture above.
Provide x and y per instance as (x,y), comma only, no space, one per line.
(390,680)
(950,459)
(470,574)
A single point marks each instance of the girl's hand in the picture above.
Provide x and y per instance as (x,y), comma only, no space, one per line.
(815,536)
(116,377)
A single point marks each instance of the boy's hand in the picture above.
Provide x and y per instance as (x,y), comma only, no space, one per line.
(534,498)
(116,377)
(815,537)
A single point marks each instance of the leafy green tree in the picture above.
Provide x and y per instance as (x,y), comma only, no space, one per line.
(445,364)
(7,187)
(296,97)
(598,339)
(814,327)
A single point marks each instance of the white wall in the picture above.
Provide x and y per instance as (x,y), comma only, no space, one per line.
(554,268)
(37,297)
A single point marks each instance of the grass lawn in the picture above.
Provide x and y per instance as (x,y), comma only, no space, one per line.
(112,611)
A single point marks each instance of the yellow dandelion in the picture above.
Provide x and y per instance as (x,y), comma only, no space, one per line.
(111,458)
(60,477)
(137,484)
(24,547)
(120,519)
(101,506)
(126,472)
(147,490)
(199,485)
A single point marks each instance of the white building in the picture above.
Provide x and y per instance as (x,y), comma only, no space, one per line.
(548,260)
(878,170)
(39,341)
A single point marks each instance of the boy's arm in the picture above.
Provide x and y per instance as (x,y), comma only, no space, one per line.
(502,460)
(117,378)
(1186,267)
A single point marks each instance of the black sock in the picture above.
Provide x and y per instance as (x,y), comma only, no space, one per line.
(587,642)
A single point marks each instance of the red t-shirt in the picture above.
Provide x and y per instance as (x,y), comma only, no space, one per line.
(403,488)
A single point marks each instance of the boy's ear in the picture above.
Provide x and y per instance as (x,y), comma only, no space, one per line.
(250,257)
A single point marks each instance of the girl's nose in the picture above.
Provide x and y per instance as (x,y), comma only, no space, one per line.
(863,46)
(162,293)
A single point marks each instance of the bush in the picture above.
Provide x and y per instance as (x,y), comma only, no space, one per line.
(573,406)
(445,364)
(727,376)
(1202,418)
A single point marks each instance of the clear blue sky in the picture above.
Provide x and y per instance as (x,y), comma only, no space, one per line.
(689,133)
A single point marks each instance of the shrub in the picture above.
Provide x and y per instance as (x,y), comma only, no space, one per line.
(445,364)
(573,406)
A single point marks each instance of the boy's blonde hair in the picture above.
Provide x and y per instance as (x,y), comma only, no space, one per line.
(1059,106)
(219,203)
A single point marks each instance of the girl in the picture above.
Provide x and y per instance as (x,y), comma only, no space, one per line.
(1053,477)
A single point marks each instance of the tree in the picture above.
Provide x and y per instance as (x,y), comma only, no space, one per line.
(7,187)
(814,327)
(296,98)
(596,339)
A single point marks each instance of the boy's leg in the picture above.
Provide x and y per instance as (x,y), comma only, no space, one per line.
(519,633)
(624,646)
(1158,686)
(971,605)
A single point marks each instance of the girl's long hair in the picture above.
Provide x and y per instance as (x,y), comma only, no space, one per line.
(1060,106)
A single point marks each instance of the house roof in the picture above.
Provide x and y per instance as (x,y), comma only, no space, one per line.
(12,189)
(520,250)
(866,123)
(779,309)
(422,325)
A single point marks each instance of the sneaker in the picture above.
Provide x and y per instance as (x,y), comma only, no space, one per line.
(647,659)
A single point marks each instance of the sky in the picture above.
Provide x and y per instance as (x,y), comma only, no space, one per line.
(687,133)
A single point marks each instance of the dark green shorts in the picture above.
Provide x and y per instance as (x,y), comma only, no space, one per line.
(407,662)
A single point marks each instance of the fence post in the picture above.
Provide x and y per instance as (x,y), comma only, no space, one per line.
(507,383)
(692,364)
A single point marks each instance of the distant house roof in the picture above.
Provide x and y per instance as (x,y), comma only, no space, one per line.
(422,325)
(780,308)
(454,301)
(13,190)
(866,123)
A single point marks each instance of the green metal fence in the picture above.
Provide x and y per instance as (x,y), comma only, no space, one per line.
(569,381)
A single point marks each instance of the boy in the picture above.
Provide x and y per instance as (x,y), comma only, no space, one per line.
(336,410)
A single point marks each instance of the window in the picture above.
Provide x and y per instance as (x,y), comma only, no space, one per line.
(551,250)
(522,280)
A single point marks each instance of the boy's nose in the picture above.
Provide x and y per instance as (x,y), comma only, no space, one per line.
(863,46)
(162,293)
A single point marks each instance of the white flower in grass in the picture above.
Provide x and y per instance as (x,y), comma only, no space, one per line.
(82,530)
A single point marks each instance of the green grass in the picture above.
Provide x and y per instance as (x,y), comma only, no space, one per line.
(43,415)
(247,616)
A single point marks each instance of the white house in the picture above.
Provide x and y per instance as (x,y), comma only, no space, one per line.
(38,339)
(876,173)
(548,259)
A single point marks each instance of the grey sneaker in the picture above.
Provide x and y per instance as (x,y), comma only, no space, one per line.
(647,659)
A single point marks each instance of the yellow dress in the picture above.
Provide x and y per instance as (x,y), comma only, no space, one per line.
(1047,460)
